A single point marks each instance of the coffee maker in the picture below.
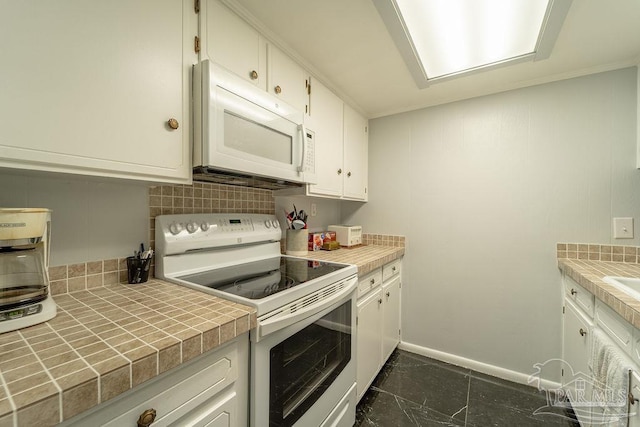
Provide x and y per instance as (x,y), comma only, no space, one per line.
(25,236)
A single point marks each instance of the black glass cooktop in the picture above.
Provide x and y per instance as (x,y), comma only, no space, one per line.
(259,279)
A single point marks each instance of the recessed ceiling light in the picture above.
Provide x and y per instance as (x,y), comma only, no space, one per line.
(441,39)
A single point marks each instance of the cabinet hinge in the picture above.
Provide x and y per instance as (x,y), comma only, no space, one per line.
(399,332)
(365,190)
(196,6)
(308,88)
(356,321)
(562,372)
(196,44)
(366,129)
(563,309)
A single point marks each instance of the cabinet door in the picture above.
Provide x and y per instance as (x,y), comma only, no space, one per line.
(233,43)
(287,80)
(89,87)
(576,350)
(369,340)
(634,410)
(391,317)
(356,139)
(325,119)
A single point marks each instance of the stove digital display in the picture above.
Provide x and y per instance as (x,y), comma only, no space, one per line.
(235,221)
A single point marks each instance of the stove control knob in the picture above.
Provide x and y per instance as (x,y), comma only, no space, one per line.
(267,223)
(205,226)
(192,227)
(275,223)
(175,228)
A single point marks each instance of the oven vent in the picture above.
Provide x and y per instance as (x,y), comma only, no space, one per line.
(316,297)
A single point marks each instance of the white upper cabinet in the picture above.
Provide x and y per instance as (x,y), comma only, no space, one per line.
(341,146)
(98,88)
(286,79)
(325,119)
(356,144)
(230,41)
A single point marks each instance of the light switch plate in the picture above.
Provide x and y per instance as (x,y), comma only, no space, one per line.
(623,228)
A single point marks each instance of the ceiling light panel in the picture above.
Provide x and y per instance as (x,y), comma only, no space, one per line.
(451,36)
(444,38)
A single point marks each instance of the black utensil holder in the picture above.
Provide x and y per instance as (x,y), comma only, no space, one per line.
(138,269)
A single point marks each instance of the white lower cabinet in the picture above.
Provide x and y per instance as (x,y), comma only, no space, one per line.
(211,390)
(369,344)
(576,331)
(583,317)
(378,322)
(391,316)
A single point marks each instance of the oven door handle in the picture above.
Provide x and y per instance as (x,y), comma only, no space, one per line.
(283,319)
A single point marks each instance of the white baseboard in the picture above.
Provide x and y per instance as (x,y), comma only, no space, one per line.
(485,368)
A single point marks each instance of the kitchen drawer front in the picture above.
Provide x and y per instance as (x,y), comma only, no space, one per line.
(369,282)
(391,269)
(177,394)
(579,296)
(615,326)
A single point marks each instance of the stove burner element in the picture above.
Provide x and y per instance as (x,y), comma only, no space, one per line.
(260,279)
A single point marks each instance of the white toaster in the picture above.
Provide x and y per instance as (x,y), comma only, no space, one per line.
(347,235)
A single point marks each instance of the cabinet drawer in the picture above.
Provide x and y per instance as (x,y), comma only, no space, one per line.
(615,326)
(579,295)
(391,269)
(369,282)
(176,394)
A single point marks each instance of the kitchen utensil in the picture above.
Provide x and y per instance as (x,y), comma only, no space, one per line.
(298,224)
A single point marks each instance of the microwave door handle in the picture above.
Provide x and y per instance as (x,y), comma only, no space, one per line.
(303,134)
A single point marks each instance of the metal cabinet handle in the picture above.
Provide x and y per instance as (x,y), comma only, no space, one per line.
(573,291)
(339,171)
(349,174)
(388,294)
(253,74)
(372,281)
(393,268)
(278,90)
(380,301)
(583,332)
(173,123)
(147,417)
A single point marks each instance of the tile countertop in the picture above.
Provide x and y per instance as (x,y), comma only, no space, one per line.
(366,257)
(590,274)
(105,341)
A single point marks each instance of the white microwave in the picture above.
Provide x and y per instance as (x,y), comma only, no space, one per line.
(240,129)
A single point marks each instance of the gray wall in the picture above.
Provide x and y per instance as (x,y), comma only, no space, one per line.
(483,189)
(92,219)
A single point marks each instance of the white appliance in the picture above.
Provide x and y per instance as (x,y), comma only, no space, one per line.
(24,268)
(303,369)
(347,235)
(246,136)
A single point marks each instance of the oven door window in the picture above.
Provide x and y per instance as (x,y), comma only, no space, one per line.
(306,364)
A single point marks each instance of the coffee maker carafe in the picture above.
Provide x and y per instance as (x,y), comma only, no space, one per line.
(24,268)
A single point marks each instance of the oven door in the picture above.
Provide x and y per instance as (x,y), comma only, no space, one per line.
(301,373)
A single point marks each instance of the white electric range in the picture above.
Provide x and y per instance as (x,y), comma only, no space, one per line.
(302,350)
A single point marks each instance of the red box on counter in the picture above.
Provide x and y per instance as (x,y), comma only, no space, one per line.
(329,236)
(315,241)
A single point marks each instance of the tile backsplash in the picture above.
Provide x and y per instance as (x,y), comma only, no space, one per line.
(596,252)
(204,197)
(383,240)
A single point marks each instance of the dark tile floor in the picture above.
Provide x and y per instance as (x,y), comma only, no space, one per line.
(412,390)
